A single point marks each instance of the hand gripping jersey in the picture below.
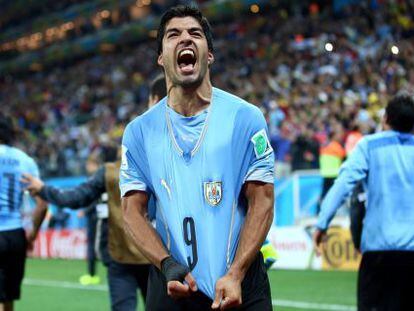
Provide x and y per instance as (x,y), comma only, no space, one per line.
(200,208)
(13,163)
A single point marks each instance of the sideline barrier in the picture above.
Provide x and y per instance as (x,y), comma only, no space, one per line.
(293,244)
(65,244)
(340,253)
(295,249)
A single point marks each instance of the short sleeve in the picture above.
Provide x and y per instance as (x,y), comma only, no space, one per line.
(133,170)
(260,154)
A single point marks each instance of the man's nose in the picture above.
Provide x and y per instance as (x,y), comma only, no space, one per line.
(185,37)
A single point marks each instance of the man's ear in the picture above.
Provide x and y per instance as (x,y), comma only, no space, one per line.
(160,61)
(384,122)
(210,58)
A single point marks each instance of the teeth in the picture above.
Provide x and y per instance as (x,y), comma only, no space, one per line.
(187,52)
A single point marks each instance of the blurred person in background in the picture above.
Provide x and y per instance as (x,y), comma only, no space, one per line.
(385,162)
(281,143)
(127,267)
(352,139)
(331,156)
(58,218)
(14,239)
(305,150)
(90,212)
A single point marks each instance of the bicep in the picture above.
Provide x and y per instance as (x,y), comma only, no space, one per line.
(259,193)
(135,201)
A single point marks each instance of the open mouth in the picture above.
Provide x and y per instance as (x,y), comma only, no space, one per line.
(186,60)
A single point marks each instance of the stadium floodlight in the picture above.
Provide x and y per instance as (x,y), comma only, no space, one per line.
(254,8)
(395,50)
(328,46)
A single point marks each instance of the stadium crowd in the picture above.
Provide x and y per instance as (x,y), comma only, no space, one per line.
(312,79)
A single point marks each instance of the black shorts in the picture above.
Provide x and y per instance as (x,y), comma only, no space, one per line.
(255,292)
(385,281)
(12,260)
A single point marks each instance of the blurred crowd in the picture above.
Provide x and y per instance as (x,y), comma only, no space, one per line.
(316,75)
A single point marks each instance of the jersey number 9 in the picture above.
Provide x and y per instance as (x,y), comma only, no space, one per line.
(191,240)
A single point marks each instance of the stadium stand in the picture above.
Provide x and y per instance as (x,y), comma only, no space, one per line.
(312,68)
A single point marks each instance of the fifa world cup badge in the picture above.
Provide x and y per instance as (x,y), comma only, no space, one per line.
(261,144)
(213,192)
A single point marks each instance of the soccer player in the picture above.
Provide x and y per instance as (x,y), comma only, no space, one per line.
(203,156)
(385,162)
(127,268)
(14,240)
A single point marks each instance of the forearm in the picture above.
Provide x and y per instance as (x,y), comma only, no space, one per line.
(74,198)
(352,171)
(258,220)
(142,232)
(39,214)
(334,199)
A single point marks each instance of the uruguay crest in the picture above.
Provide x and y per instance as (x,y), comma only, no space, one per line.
(213,192)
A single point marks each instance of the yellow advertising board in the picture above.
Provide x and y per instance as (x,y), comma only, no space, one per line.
(339,252)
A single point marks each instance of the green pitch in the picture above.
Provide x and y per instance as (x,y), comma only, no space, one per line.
(53,285)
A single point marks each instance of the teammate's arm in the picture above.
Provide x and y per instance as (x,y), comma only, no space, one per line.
(147,240)
(257,224)
(354,169)
(39,215)
(76,197)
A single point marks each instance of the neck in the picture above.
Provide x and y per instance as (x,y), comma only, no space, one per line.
(188,101)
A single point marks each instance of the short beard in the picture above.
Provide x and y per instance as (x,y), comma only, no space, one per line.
(189,84)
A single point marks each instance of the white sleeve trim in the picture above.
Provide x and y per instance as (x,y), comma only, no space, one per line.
(135,186)
(262,175)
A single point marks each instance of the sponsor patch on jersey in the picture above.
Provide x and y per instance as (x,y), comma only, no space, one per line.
(213,192)
(261,144)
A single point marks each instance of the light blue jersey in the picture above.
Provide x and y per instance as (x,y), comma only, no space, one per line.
(13,163)
(385,161)
(199,207)
(187,130)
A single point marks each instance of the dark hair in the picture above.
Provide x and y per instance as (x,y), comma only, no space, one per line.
(400,113)
(158,87)
(184,11)
(7,131)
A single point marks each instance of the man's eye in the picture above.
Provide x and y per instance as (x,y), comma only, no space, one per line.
(171,35)
(197,34)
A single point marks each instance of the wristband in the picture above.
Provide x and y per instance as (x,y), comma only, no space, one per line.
(172,270)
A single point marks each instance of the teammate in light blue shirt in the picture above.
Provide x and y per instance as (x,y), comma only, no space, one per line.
(13,238)
(13,162)
(385,162)
(204,156)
